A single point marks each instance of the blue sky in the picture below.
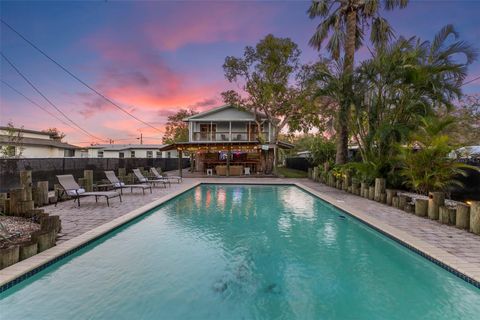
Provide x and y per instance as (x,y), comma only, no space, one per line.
(156,57)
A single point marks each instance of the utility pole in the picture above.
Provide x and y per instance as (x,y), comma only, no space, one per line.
(141,138)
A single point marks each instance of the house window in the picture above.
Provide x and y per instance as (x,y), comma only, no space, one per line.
(149,154)
(159,154)
(169,154)
(100,154)
(121,155)
(68,153)
(132,154)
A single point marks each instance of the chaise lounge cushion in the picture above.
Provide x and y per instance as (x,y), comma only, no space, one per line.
(75,192)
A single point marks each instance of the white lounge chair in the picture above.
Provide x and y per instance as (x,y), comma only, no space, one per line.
(117,184)
(144,180)
(71,188)
(158,175)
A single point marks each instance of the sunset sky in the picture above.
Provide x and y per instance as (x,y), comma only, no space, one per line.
(153,58)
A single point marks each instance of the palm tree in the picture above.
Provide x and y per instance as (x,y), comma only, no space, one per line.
(343,20)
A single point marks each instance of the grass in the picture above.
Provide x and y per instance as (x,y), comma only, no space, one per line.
(290,173)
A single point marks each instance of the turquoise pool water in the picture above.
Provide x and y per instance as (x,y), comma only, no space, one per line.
(243,252)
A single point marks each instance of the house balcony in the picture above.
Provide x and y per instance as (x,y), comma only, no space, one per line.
(225,137)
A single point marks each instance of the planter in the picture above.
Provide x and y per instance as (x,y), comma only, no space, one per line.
(9,256)
(446,215)
(45,239)
(390,194)
(421,207)
(475,217)
(380,185)
(435,201)
(463,216)
(28,249)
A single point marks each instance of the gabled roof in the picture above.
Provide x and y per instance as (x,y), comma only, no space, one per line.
(27,131)
(37,142)
(218,109)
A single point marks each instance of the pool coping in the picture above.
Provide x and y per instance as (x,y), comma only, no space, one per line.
(22,270)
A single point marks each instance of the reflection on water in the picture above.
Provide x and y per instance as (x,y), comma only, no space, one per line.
(300,204)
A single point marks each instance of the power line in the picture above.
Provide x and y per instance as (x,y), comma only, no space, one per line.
(46,99)
(77,78)
(36,104)
(470,81)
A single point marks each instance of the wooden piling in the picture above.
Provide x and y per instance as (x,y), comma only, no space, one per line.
(435,201)
(475,217)
(28,249)
(88,176)
(403,200)
(390,194)
(446,215)
(9,256)
(41,193)
(380,185)
(45,239)
(463,216)
(371,192)
(421,207)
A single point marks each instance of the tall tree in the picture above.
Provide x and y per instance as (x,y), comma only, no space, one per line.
(176,130)
(274,83)
(343,24)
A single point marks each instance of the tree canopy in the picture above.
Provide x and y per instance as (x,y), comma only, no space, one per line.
(176,130)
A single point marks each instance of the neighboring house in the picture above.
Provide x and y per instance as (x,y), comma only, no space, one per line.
(130,151)
(34,144)
(228,137)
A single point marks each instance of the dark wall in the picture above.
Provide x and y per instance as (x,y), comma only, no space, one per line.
(47,168)
(298,163)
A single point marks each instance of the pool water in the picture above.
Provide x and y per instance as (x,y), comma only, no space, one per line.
(243,252)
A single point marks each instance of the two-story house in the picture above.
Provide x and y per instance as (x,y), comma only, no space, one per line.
(228,141)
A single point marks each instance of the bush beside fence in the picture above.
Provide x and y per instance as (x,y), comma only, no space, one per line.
(44,169)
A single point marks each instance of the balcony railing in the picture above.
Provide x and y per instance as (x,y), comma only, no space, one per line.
(225,136)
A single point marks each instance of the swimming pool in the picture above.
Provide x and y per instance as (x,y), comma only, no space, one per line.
(243,252)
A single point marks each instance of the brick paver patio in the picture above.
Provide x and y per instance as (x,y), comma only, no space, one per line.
(460,243)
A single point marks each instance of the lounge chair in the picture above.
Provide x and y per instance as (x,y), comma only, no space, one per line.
(158,175)
(117,184)
(71,188)
(144,180)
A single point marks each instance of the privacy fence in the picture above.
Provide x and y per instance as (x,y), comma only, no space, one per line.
(44,169)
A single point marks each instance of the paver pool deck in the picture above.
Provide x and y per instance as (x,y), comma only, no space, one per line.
(454,247)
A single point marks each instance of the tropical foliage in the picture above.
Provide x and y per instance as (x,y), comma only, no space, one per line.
(426,163)
(343,23)
(176,130)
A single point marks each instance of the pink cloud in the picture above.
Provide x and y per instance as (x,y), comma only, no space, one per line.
(197,23)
